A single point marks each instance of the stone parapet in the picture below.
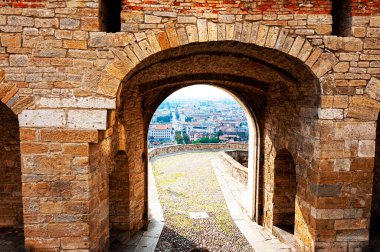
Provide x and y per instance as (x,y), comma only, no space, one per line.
(195,147)
(234,168)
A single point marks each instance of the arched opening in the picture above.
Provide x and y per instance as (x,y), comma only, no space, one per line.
(11,211)
(375,207)
(184,169)
(280,91)
(109,15)
(341,15)
(285,190)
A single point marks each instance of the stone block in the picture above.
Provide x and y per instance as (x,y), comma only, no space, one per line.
(352,44)
(342,67)
(212,30)
(69,136)
(373,88)
(324,64)
(221,32)
(42,118)
(230,31)
(77,102)
(33,148)
(333,42)
(238,29)
(163,40)
(296,47)
(351,224)
(187,20)
(354,235)
(68,229)
(10,40)
(18,60)
(87,119)
(262,35)
(342,165)
(330,114)
(69,23)
(272,37)
(325,190)
(98,39)
(366,148)
(192,33)
(327,214)
(202,30)
(374,21)
(246,32)
(373,32)
(151,19)
(20,21)
(319,19)
(75,243)
(226,19)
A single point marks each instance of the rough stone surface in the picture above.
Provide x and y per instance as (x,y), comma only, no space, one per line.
(312,92)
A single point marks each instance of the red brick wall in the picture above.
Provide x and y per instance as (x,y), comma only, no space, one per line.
(23,4)
(250,7)
(10,169)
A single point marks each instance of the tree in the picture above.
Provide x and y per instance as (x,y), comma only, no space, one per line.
(205,140)
(186,138)
(178,137)
(197,141)
(214,140)
(219,133)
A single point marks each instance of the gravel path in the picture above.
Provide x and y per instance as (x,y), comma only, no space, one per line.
(187,183)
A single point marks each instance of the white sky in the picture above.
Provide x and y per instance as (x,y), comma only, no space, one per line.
(199,91)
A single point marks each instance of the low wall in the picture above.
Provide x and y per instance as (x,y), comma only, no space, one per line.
(240,156)
(195,147)
(234,168)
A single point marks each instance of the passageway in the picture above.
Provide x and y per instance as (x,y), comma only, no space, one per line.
(11,213)
(199,209)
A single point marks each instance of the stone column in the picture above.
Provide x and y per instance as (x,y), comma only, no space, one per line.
(341,192)
(65,178)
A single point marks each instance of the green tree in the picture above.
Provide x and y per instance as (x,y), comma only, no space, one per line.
(178,137)
(219,133)
(214,140)
(186,138)
(197,141)
(205,140)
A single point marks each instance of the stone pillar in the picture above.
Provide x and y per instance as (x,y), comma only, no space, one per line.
(341,192)
(65,179)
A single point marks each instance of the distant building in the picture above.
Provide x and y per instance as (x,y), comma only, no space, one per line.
(161,132)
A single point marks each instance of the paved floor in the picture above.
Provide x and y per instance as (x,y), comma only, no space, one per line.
(172,170)
(187,185)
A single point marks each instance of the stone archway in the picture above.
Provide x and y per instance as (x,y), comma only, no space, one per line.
(158,75)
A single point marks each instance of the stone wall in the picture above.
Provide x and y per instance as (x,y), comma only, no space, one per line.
(234,168)
(239,156)
(311,93)
(10,169)
(194,147)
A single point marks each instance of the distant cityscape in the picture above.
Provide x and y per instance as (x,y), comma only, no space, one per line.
(193,121)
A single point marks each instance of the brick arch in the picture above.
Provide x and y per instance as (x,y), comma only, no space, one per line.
(9,95)
(132,75)
(148,44)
